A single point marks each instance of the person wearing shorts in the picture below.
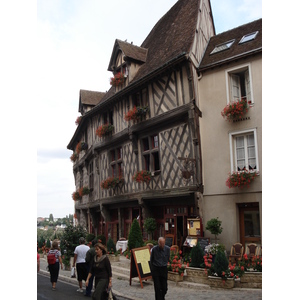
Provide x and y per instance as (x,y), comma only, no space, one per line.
(81,265)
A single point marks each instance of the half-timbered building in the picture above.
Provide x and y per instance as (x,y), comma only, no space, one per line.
(138,150)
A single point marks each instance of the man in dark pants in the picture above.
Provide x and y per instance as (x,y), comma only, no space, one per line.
(159,258)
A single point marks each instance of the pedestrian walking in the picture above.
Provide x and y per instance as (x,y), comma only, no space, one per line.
(89,258)
(54,264)
(81,265)
(159,259)
(101,269)
(38,260)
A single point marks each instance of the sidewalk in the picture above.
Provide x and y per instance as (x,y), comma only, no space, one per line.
(187,291)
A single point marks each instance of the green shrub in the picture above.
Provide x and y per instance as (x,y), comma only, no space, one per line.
(89,237)
(150,226)
(102,238)
(214,227)
(221,263)
(135,237)
(111,247)
(197,256)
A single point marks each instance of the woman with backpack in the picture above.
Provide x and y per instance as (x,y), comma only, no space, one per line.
(54,259)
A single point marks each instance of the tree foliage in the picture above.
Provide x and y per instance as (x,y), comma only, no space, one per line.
(197,256)
(221,263)
(70,240)
(150,226)
(135,237)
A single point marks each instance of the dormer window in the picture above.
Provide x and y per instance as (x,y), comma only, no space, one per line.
(222,47)
(248,37)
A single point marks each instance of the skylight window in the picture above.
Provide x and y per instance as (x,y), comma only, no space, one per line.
(248,37)
(222,47)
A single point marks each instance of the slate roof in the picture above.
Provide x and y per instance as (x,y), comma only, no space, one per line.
(131,51)
(90,97)
(236,50)
(171,37)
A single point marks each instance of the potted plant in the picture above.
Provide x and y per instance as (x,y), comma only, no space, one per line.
(235,110)
(241,179)
(214,227)
(76,196)
(118,79)
(104,129)
(81,146)
(113,255)
(74,157)
(135,237)
(142,176)
(220,273)
(175,267)
(78,120)
(150,226)
(136,113)
(111,182)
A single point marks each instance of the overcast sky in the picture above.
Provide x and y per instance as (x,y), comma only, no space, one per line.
(74,44)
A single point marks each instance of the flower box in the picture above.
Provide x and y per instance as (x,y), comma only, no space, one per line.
(174,276)
(241,179)
(251,280)
(76,196)
(80,147)
(196,275)
(74,157)
(111,182)
(218,282)
(118,79)
(136,113)
(84,191)
(235,110)
(104,129)
(113,257)
(142,176)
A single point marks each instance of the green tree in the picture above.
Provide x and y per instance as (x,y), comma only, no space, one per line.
(197,256)
(214,227)
(135,237)
(51,218)
(150,226)
(221,263)
(70,240)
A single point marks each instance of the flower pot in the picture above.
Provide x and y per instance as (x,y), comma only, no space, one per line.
(113,258)
(174,276)
(218,282)
(197,275)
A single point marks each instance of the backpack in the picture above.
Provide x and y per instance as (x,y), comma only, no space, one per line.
(51,258)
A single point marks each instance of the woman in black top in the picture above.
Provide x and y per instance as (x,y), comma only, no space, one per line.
(100,267)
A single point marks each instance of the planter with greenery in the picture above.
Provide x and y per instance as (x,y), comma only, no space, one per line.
(176,267)
(136,113)
(74,157)
(80,147)
(84,191)
(104,129)
(235,110)
(118,79)
(214,227)
(76,196)
(111,183)
(78,120)
(142,176)
(241,179)
(113,255)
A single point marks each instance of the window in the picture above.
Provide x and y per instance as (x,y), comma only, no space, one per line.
(150,153)
(91,175)
(222,47)
(243,151)
(248,37)
(238,84)
(108,118)
(81,178)
(116,162)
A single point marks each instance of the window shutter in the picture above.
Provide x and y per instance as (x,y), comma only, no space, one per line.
(247,85)
(235,88)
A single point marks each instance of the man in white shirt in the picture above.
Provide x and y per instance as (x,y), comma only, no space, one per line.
(81,265)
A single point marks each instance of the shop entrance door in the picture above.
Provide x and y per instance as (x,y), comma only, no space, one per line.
(249,224)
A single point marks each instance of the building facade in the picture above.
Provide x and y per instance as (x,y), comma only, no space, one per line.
(146,147)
